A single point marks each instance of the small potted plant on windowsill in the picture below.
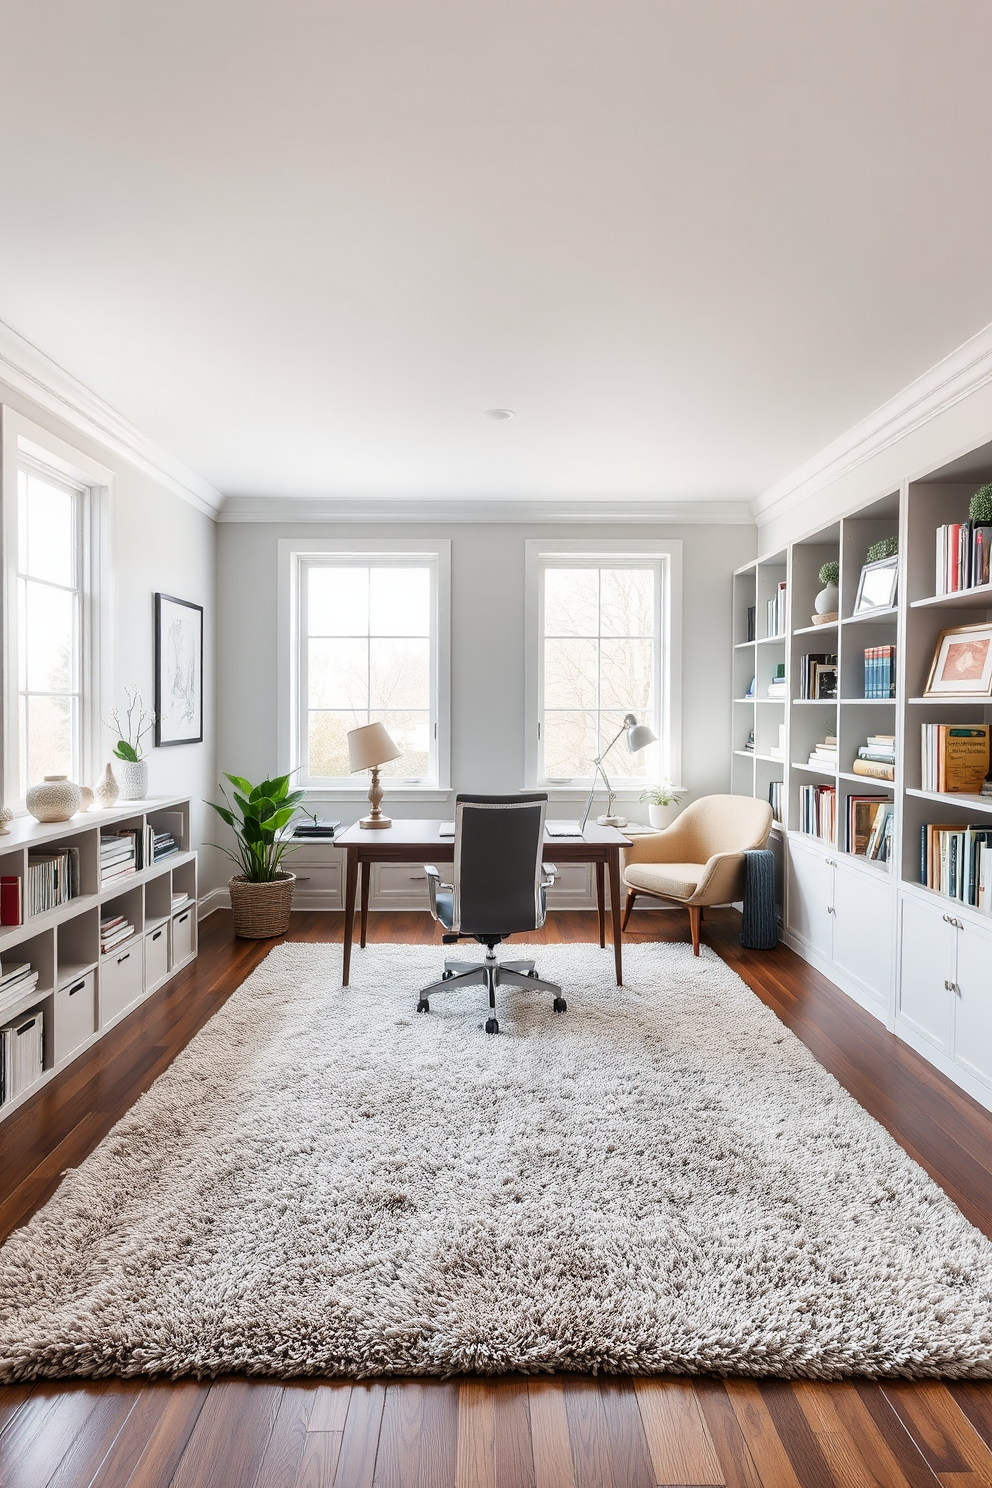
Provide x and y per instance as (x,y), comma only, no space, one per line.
(663,803)
(262,892)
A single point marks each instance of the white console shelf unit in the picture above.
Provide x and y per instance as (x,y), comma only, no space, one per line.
(920,962)
(80,992)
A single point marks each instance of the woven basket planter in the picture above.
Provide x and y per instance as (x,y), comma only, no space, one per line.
(261,910)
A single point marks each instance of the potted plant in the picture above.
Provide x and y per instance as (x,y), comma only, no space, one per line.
(261,892)
(132,767)
(662,801)
(827,602)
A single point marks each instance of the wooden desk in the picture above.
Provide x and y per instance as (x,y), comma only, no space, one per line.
(421,842)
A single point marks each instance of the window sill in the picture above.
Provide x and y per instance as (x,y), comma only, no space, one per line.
(580,792)
(401,792)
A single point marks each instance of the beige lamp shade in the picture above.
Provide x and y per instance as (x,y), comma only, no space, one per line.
(369,746)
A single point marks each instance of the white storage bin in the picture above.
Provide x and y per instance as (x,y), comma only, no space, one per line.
(156,956)
(75,1015)
(182,936)
(120,979)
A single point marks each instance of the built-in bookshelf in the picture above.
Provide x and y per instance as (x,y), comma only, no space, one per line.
(76,969)
(915,957)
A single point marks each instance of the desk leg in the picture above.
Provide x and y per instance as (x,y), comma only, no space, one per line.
(614,860)
(351,884)
(366,871)
(601,900)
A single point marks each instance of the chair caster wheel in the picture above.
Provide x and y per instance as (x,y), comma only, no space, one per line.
(446,976)
(492,1026)
(423,1006)
(560,1005)
(534,975)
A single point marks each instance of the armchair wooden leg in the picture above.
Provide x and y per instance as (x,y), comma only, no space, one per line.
(695,915)
(631,896)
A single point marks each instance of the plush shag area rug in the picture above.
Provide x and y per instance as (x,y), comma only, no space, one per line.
(660,1179)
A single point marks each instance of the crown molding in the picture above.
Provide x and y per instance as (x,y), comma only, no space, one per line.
(960,374)
(30,372)
(292,509)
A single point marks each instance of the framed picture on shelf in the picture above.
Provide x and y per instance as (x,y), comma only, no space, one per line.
(962,663)
(877,585)
(178,671)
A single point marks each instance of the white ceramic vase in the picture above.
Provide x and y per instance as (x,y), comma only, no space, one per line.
(133,778)
(53,799)
(107,790)
(662,816)
(6,817)
(827,601)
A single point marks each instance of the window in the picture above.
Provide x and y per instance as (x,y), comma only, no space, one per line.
(369,649)
(603,647)
(49,627)
(56,504)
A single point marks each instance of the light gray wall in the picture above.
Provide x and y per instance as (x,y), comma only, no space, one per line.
(160,543)
(487,653)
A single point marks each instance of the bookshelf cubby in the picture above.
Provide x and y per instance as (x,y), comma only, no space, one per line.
(915,958)
(80,991)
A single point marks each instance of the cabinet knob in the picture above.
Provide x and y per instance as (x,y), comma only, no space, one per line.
(951,986)
(830,909)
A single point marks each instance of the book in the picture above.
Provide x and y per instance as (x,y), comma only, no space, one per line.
(818,676)
(11,900)
(861,814)
(874,769)
(881,832)
(955,757)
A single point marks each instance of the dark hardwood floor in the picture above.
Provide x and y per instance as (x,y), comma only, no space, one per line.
(552,1432)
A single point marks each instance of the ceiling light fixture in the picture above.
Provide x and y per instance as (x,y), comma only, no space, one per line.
(498,414)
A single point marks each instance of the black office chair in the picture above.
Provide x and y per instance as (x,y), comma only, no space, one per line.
(498,889)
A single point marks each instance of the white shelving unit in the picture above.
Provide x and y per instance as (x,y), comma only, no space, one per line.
(81,993)
(920,962)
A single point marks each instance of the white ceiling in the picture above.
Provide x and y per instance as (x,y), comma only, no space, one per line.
(304,245)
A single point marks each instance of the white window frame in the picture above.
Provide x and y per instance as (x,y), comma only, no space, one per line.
(294,555)
(27,445)
(542,553)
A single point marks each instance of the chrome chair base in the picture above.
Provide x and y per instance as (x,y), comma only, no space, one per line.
(491,974)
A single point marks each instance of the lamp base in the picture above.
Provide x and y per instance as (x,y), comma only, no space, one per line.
(371,823)
(611,821)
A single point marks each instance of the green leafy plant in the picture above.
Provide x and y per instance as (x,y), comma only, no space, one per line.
(980,505)
(257,815)
(132,728)
(887,547)
(830,572)
(661,795)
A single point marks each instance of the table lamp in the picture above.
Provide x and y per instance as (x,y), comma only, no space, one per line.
(639,736)
(368,748)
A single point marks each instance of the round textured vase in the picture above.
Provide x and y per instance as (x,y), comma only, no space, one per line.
(6,817)
(54,799)
(133,777)
(826,604)
(87,800)
(107,790)
(261,910)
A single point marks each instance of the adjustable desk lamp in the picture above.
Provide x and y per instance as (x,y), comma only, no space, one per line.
(639,736)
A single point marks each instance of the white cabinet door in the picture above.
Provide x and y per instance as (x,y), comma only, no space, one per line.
(811,883)
(973,1015)
(863,908)
(929,945)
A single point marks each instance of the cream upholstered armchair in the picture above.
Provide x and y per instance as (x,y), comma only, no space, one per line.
(699,859)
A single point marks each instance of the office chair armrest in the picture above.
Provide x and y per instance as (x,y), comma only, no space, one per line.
(433,884)
(550,874)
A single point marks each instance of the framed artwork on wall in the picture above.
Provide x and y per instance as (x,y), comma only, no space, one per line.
(178,671)
(962,663)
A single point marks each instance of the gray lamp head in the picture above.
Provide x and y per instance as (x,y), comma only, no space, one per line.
(639,736)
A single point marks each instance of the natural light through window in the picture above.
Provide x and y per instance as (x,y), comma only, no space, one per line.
(49,629)
(368,654)
(600,659)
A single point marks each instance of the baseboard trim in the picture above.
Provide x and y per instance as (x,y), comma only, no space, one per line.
(215,899)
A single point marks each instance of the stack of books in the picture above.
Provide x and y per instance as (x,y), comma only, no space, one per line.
(877,757)
(956,861)
(21,1048)
(775,611)
(11,900)
(955,757)
(880,671)
(52,878)
(114,929)
(16,978)
(824,755)
(778,687)
(322,827)
(869,827)
(749,746)
(963,550)
(818,676)
(818,811)
(118,856)
(178,900)
(775,799)
(163,845)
